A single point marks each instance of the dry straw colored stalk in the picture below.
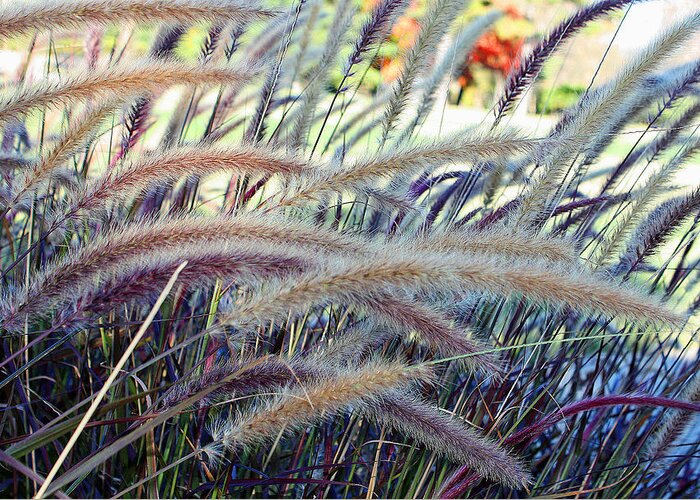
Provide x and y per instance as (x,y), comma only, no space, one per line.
(108,383)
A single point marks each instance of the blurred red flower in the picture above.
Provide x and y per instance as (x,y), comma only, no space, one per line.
(494,52)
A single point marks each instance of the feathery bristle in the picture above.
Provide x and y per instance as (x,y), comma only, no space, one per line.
(344,14)
(376,26)
(652,189)
(262,377)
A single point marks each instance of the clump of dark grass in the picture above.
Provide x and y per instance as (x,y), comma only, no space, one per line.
(314,301)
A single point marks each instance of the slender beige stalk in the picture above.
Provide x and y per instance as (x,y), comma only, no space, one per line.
(121,83)
(320,400)
(43,15)
(116,371)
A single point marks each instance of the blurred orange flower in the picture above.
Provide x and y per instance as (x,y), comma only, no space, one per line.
(405,31)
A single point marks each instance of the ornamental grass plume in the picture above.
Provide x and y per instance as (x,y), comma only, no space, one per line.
(122,82)
(658,228)
(70,143)
(674,423)
(20,18)
(447,436)
(301,407)
(434,24)
(405,162)
(355,282)
(168,167)
(139,276)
